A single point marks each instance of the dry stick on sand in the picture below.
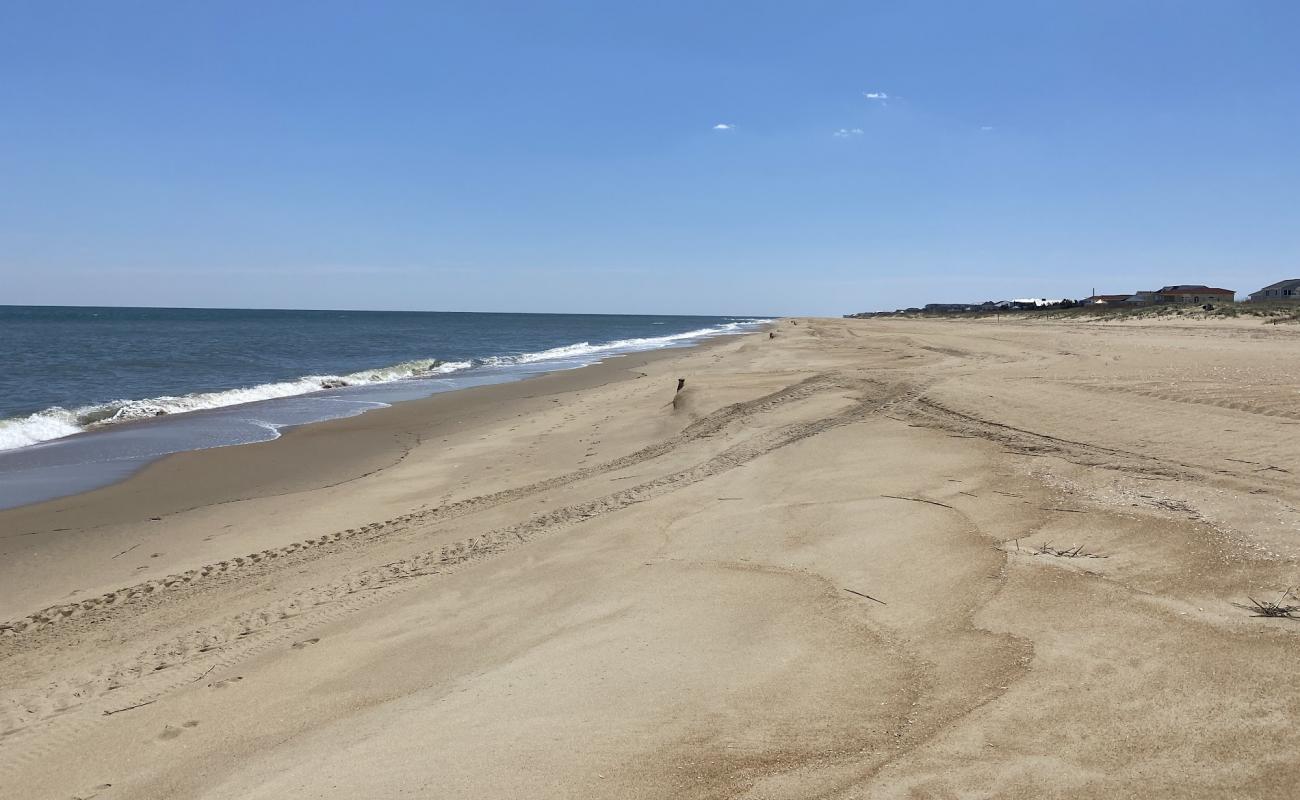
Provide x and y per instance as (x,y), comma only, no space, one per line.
(1275,609)
(1070,552)
(869,597)
(128,708)
(415,574)
(205,674)
(127,550)
(918,500)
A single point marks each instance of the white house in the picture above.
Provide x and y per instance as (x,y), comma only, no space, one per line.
(1287,291)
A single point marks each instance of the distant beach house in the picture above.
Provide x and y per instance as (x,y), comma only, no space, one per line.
(1287,291)
(1190,293)
(1195,294)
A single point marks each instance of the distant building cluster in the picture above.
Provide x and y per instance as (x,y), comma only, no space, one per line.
(1177,294)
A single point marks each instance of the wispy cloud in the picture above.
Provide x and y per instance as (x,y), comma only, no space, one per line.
(881,96)
(845,133)
(986,128)
(724,126)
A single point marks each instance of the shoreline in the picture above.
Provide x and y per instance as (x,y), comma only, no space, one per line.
(131,466)
(305,458)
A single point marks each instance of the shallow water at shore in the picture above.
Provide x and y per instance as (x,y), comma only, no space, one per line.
(100,444)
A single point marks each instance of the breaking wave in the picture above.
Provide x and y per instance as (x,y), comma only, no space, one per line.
(56,422)
(580,350)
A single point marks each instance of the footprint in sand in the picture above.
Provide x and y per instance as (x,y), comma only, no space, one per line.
(305,643)
(89,793)
(171,731)
(221,684)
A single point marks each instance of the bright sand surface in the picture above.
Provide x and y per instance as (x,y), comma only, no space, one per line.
(815,572)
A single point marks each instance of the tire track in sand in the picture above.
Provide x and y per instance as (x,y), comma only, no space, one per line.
(78,703)
(707,426)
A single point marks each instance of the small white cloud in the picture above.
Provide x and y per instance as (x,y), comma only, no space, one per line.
(882,96)
(986,127)
(724,126)
(844,133)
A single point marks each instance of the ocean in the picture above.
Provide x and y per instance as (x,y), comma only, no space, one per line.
(190,379)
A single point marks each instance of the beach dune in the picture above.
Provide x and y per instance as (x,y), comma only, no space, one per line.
(861,559)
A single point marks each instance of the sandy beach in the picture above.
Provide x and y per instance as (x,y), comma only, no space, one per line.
(861,559)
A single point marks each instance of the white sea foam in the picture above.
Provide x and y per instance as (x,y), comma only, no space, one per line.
(55,423)
(583,349)
(52,423)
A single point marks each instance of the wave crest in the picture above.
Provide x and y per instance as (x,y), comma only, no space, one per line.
(580,349)
(56,422)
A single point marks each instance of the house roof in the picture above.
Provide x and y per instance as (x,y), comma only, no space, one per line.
(1110,297)
(1289,283)
(1184,290)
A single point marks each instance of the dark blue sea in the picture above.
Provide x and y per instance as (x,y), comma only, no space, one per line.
(196,378)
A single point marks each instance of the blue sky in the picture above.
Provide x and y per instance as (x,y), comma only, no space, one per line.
(566,156)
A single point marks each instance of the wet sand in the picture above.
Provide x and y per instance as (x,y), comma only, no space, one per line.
(867,558)
(87,530)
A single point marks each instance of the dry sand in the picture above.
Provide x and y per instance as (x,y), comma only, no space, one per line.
(816,572)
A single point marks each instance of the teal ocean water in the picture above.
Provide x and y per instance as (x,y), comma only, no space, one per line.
(195,378)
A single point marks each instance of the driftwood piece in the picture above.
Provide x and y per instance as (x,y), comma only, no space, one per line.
(128,708)
(1068,552)
(869,597)
(205,674)
(1277,609)
(918,500)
